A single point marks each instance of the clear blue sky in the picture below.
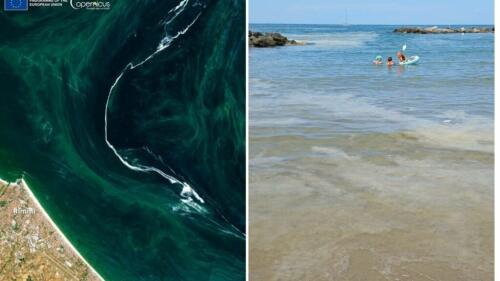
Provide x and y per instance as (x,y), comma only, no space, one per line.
(372,11)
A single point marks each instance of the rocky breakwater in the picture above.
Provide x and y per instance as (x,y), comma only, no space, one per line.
(437,30)
(270,39)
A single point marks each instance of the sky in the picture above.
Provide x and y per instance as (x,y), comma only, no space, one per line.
(372,11)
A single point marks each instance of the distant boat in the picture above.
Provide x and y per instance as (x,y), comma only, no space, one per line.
(346,22)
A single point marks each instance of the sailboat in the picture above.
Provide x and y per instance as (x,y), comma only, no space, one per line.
(346,23)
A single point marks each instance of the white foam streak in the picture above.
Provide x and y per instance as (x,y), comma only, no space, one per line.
(182,5)
(167,40)
(178,9)
(187,191)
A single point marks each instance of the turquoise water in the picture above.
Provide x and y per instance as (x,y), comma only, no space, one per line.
(129,127)
(367,172)
(453,81)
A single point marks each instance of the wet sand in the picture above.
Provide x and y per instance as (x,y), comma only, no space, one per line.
(396,206)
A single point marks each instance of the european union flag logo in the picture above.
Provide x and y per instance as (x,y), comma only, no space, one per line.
(15,5)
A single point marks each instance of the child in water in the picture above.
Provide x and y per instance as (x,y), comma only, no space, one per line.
(378,60)
(389,61)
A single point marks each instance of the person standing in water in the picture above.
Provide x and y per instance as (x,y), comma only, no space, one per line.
(378,60)
(389,61)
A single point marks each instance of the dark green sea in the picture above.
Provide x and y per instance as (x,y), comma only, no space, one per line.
(129,126)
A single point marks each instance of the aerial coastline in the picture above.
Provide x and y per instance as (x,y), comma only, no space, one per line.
(40,249)
(114,142)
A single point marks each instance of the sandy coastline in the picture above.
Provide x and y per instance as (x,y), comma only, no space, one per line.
(60,237)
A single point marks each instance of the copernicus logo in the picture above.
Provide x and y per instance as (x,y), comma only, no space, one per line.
(15,5)
(90,5)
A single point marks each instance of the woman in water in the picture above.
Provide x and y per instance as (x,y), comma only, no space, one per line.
(401,56)
(378,60)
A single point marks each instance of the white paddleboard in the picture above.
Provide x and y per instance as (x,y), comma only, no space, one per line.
(410,60)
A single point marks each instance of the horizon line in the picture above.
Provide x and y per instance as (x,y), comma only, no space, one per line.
(443,24)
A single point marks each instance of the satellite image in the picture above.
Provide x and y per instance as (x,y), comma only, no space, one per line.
(122,140)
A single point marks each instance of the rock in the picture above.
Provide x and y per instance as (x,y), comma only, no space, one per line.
(269,39)
(437,30)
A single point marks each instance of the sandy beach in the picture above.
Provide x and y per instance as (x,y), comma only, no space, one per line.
(386,217)
(36,248)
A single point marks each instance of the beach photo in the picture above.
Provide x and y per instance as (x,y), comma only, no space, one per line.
(371,140)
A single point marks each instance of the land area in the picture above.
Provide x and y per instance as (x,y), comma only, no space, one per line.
(270,39)
(437,30)
(31,248)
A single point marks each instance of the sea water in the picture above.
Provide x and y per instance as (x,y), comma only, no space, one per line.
(128,125)
(368,172)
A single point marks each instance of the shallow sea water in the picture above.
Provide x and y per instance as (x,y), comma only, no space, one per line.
(363,172)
